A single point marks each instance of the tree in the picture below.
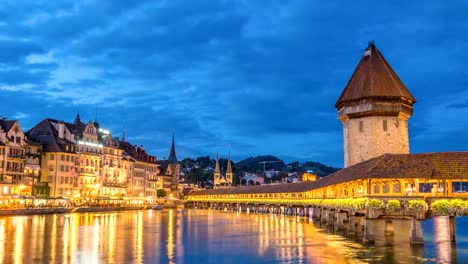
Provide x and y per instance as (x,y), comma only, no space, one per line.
(161,193)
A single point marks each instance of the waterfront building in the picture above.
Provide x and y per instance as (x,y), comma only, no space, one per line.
(374,108)
(115,176)
(18,160)
(84,161)
(58,157)
(88,163)
(145,170)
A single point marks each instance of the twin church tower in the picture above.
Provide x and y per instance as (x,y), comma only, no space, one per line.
(223,180)
(374,108)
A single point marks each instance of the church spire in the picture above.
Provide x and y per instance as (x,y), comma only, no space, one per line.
(77,119)
(172,156)
(229,168)
(216,170)
(216,173)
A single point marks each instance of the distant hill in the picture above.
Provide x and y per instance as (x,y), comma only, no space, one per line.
(253,164)
(316,168)
(200,169)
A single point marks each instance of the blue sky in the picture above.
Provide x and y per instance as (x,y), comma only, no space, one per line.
(260,77)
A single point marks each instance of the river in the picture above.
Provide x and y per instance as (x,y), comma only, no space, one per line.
(205,236)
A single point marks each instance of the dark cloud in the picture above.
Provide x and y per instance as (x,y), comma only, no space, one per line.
(13,51)
(259,76)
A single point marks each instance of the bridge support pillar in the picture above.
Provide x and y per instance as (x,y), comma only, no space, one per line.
(331,218)
(389,227)
(452,228)
(352,225)
(368,231)
(323,215)
(315,212)
(340,217)
(416,234)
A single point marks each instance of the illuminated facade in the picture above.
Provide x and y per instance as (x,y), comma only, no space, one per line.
(144,180)
(19,160)
(83,161)
(115,176)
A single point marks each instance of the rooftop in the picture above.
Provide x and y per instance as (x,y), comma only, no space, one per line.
(373,78)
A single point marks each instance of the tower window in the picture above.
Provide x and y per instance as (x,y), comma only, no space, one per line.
(385,125)
(361,126)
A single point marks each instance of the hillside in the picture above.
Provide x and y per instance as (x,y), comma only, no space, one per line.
(254,164)
(200,169)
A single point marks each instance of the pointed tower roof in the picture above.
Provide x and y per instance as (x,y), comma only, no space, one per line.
(78,119)
(172,156)
(229,168)
(374,78)
(217,170)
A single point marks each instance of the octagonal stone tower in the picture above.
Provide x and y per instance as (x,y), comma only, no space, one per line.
(374,108)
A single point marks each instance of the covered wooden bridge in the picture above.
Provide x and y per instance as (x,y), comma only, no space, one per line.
(388,186)
(426,175)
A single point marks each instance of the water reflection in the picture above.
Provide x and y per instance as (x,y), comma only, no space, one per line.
(196,236)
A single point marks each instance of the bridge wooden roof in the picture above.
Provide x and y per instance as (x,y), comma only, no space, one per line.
(441,165)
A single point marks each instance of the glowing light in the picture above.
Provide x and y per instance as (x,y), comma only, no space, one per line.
(104,131)
(89,144)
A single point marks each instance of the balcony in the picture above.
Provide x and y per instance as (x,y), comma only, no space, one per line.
(16,156)
(15,170)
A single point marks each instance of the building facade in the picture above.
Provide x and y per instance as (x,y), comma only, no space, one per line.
(84,161)
(19,160)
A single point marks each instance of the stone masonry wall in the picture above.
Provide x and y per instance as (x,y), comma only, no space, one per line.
(369,140)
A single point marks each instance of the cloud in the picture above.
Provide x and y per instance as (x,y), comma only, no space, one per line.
(259,76)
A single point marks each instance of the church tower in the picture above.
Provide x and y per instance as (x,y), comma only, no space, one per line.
(374,108)
(217,173)
(229,170)
(174,163)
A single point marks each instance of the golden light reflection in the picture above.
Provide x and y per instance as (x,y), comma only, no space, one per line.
(66,239)
(2,238)
(74,235)
(442,239)
(139,238)
(170,237)
(95,242)
(179,243)
(53,238)
(111,239)
(18,250)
